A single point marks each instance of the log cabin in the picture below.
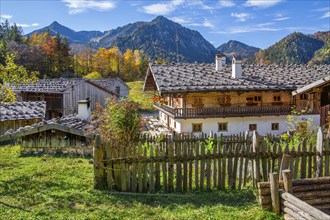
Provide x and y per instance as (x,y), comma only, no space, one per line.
(20,114)
(62,95)
(321,89)
(228,99)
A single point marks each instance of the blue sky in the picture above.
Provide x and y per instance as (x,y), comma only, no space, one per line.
(258,23)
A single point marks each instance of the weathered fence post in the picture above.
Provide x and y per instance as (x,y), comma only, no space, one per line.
(287,181)
(256,165)
(285,164)
(319,145)
(274,191)
(99,171)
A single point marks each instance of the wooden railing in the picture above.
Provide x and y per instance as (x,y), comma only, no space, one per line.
(239,111)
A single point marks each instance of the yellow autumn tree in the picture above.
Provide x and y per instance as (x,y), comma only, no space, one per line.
(10,72)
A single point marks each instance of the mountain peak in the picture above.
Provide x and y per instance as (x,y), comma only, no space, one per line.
(161,18)
(236,48)
(55,24)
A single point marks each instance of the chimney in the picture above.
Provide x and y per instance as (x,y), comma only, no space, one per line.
(84,109)
(220,62)
(236,68)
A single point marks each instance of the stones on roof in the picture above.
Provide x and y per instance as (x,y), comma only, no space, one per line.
(70,121)
(22,110)
(185,77)
(107,84)
(46,85)
(60,85)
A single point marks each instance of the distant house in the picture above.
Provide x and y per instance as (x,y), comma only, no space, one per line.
(20,114)
(321,89)
(113,84)
(62,95)
(73,131)
(228,99)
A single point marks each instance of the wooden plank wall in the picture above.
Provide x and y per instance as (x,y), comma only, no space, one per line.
(82,91)
(16,124)
(188,163)
(211,99)
(52,140)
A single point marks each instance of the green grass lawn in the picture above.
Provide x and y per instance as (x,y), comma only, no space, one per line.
(46,187)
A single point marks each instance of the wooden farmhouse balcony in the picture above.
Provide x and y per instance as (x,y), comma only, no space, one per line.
(215,112)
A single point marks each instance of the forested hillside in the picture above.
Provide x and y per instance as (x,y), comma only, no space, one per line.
(297,48)
(52,57)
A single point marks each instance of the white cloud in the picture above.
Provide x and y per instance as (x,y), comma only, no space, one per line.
(250,28)
(7,17)
(80,6)
(207,24)
(226,3)
(281,19)
(240,16)
(201,5)
(162,8)
(27,25)
(265,24)
(326,15)
(321,9)
(181,20)
(262,3)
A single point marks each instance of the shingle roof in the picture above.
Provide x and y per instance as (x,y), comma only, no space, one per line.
(79,126)
(62,84)
(318,83)
(46,85)
(106,83)
(184,77)
(22,110)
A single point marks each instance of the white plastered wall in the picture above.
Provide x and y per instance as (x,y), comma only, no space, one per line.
(237,124)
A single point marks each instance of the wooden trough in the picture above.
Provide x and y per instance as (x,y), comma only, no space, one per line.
(296,199)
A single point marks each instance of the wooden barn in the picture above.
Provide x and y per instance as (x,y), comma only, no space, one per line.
(20,114)
(62,95)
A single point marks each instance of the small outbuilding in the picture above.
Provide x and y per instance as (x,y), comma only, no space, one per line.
(20,114)
(68,132)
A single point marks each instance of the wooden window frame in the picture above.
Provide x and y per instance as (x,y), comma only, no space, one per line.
(277,98)
(275,126)
(223,123)
(303,96)
(257,98)
(224,100)
(200,125)
(251,127)
(198,102)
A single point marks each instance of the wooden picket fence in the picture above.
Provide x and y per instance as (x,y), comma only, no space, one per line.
(183,163)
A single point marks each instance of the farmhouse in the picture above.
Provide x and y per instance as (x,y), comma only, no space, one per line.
(228,99)
(62,95)
(20,114)
(320,87)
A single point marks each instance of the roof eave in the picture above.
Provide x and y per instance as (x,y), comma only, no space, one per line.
(312,85)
